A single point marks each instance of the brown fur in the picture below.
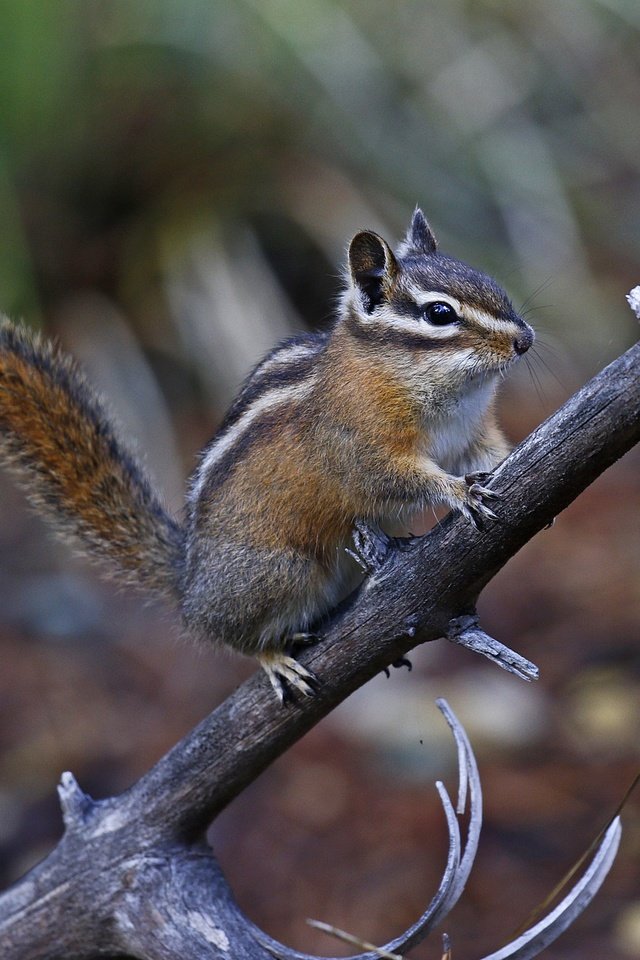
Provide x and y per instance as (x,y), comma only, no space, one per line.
(56,434)
(374,420)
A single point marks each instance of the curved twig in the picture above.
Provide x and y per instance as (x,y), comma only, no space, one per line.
(538,937)
(458,866)
(532,941)
(470,777)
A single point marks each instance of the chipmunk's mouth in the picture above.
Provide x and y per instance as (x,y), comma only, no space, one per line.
(488,369)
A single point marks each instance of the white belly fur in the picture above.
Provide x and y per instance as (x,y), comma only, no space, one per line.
(450,435)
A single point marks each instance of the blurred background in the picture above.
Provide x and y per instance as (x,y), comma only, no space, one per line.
(178,183)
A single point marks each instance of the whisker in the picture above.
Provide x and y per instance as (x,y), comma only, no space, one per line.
(542,286)
(527,311)
(550,370)
(550,349)
(535,380)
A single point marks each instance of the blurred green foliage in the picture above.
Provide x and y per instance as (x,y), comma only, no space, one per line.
(129,129)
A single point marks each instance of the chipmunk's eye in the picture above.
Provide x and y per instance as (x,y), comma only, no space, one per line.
(440,314)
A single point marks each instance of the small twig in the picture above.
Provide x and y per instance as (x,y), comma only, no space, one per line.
(354,941)
(466,632)
(538,937)
(580,862)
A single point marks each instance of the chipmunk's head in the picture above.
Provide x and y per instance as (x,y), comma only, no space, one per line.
(429,313)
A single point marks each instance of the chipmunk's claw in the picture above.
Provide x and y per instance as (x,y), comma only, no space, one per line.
(397,664)
(404,544)
(477,509)
(478,476)
(403,662)
(287,676)
(302,639)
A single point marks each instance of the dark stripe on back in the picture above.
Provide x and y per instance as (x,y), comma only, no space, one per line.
(267,425)
(256,385)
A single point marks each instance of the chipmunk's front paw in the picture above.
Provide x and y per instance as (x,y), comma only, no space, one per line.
(287,676)
(479,476)
(476,506)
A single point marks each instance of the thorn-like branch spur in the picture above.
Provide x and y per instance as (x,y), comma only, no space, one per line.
(466,632)
(74,803)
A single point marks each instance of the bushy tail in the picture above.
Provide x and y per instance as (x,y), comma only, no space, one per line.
(56,434)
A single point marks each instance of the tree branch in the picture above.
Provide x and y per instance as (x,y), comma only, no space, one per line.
(411,599)
(153,830)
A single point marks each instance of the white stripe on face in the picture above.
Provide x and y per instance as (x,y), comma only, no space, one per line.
(386,318)
(490,322)
(425,297)
(270,400)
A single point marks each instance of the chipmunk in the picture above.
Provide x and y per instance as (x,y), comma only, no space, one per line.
(385,413)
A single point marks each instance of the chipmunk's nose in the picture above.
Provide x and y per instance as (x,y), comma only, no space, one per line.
(523,341)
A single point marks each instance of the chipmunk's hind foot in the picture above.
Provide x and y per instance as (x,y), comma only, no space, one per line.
(398,664)
(287,676)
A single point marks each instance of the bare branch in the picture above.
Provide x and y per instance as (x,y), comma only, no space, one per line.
(123,857)
(412,598)
(74,803)
(456,874)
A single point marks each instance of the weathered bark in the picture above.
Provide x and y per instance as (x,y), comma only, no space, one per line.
(80,901)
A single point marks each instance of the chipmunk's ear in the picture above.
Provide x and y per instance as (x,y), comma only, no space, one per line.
(420,239)
(372,266)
